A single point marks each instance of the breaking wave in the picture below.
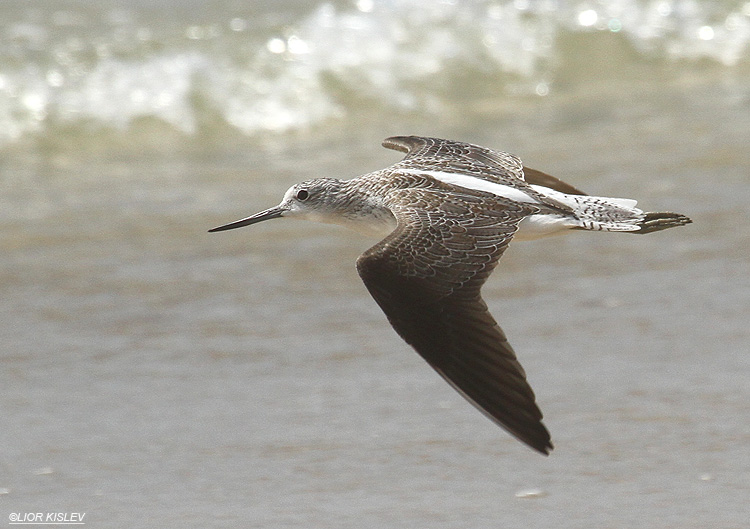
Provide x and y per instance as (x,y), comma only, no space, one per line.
(292,66)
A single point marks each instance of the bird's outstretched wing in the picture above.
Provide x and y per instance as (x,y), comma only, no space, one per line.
(427,276)
(418,148)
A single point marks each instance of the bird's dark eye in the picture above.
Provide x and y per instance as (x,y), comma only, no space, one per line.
(302,194)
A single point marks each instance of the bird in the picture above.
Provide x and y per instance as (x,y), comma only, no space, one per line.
(445,214)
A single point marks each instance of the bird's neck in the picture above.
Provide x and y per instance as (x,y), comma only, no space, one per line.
(358,210)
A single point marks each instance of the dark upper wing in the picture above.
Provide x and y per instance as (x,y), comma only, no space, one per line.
(427,275)
(506,164)
(543,179)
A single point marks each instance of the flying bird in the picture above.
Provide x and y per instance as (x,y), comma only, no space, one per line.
(446,213)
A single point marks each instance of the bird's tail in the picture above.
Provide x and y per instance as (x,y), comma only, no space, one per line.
(655,221)
(620,214)
(610,214)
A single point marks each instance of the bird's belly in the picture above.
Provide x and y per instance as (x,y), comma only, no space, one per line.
(543,225)
(373,227)
(373,223)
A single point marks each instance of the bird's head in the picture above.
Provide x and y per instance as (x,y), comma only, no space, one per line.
(318,200)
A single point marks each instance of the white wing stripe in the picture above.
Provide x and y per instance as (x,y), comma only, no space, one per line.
(477,184)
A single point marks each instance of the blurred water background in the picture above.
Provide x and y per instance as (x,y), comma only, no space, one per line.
(153,375)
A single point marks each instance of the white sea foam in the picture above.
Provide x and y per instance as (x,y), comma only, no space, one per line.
(288,68)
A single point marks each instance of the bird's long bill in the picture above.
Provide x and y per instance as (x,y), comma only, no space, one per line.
(272,213)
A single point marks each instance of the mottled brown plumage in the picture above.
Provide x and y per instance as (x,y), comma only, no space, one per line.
(448,211)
